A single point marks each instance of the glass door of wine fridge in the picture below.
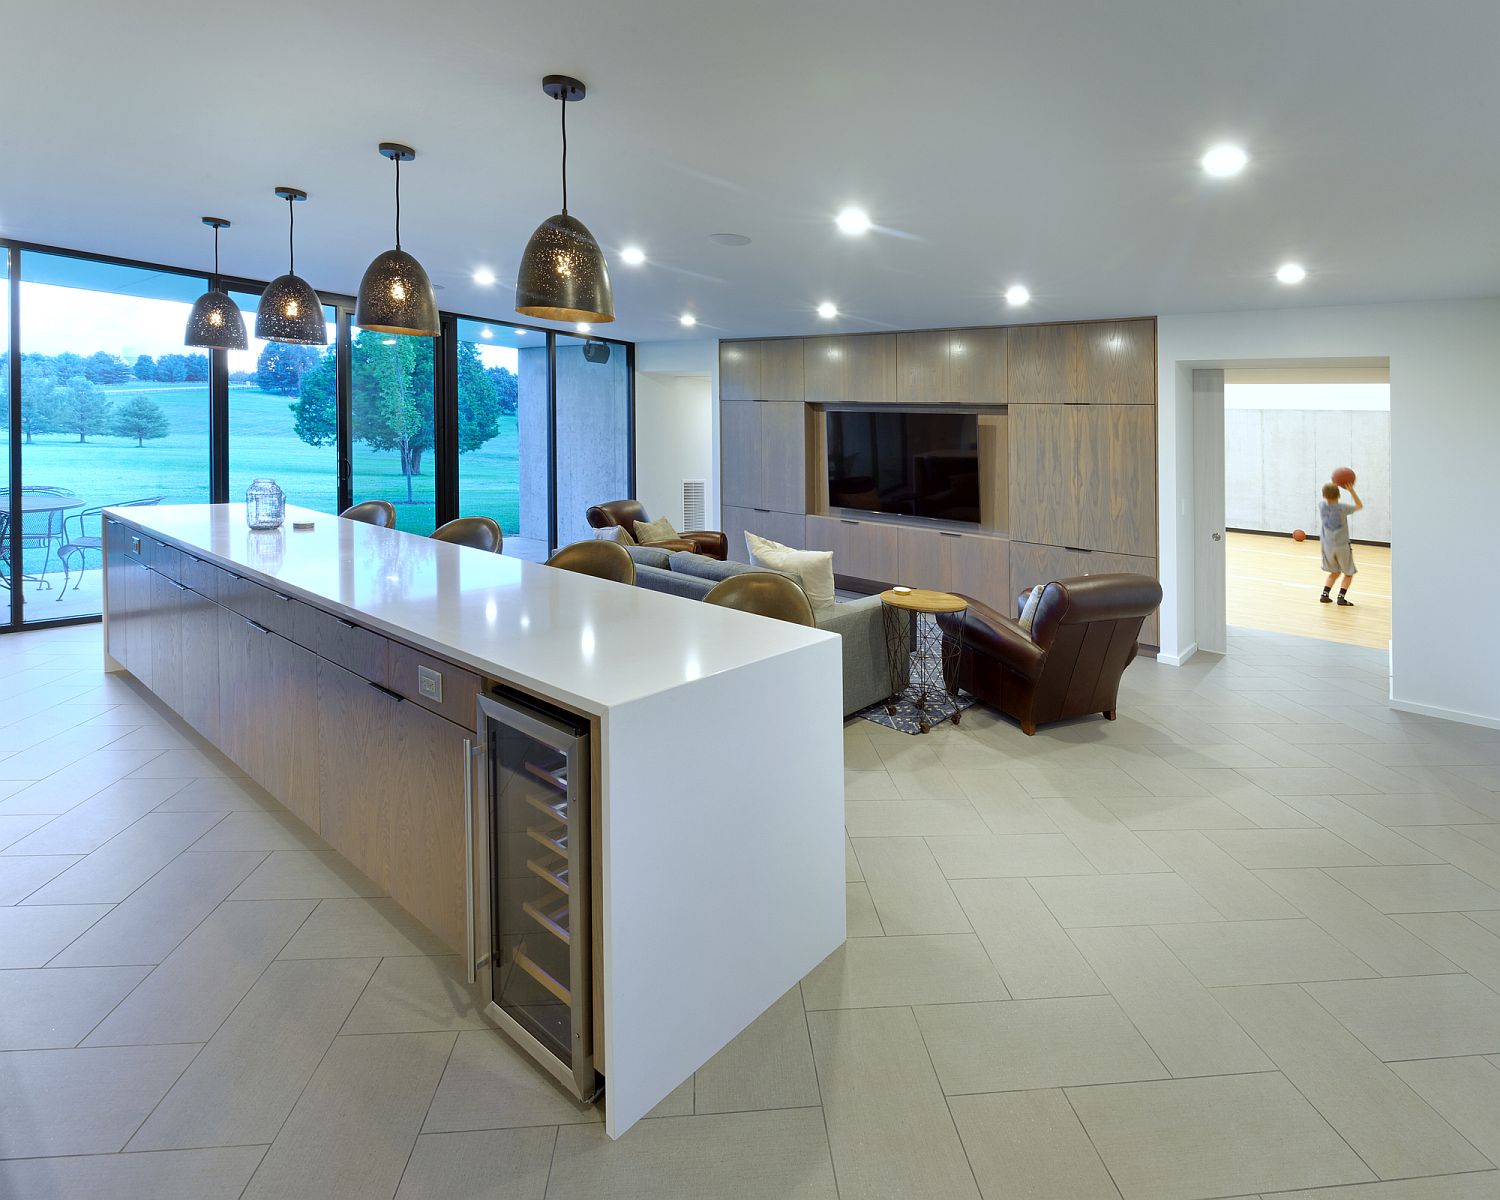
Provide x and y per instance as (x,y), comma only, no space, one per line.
(532,874)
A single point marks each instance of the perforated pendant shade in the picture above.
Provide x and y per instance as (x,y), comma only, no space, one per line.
(563,275)
(395,296)
(215,323)
(290,311)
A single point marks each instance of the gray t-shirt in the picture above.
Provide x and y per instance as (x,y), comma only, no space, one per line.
(1333,519)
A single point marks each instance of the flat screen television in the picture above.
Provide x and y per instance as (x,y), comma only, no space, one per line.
(915,464)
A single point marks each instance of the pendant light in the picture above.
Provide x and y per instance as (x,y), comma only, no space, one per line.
(395,295)
(215,322)
(563,276)
(290,310)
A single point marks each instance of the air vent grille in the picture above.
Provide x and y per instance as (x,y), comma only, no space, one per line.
(694,506)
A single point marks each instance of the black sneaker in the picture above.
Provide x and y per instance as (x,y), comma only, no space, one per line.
(1325,598)
(1346,603)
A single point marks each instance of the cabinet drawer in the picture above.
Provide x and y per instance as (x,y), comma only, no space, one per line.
(433,682)
(281,614)
(861,549)
(202,577)
(351,646)
(165,560)
(244,596)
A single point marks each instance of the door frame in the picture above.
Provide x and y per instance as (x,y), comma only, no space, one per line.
(1210,585)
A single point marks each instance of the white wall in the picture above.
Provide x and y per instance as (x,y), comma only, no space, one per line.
(1445,431)
(1276,458)
(675,422)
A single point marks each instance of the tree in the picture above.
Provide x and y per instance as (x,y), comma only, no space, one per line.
(100,367)
(65,366)
(139,417)
(280,367)
(145,368)
(172,368)
(507,388)
(197,368)
(39,400)
(315,411)
(83,408)
(478,400)
(391,398)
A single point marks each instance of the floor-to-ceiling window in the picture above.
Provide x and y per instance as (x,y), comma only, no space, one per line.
(593,430)
(114,410)
(283,415)
(503,431)
(5,496)
(391,425)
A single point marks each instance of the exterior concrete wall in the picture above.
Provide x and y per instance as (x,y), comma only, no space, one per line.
(593,437)
(531,422)
(1275,460)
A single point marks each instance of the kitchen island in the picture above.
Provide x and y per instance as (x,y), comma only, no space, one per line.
(344,668)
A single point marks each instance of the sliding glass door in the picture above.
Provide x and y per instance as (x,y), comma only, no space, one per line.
(283,415)
(113,410)
(503,431)
(391,425)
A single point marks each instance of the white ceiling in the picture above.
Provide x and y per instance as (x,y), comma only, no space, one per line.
(1051,142)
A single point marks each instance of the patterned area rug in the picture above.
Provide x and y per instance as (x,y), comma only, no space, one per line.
(908,718)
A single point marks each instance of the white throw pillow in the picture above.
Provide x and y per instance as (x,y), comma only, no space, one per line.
(1028,612)
(813,569)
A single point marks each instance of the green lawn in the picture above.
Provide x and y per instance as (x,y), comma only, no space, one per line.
(108,470)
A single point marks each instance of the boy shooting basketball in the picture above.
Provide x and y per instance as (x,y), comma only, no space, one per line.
(1338,555)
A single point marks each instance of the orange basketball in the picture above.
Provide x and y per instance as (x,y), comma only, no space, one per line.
(1343,476)
(1299,535)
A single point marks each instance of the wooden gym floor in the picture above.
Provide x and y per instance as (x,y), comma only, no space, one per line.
(1273,584)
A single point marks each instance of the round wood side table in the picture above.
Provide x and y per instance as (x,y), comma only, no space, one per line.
(930,652)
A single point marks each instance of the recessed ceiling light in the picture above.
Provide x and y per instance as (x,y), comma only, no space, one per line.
(853,221)
(729,239)
(1224,160)
(584,327)
(687,319)
(1016,295)
(828,310)
(633,255)
(1291,272)
(484,277)
(486,333)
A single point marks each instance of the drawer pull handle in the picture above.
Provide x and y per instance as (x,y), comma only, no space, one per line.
(346,624)
(255,625)
(471,968)
(1078,549)
(847,521)
(945,533)
(380,687)
(764,510)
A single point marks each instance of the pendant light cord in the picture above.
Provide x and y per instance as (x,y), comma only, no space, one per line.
(563,100)
(291,238)
(216,258)
(397,161)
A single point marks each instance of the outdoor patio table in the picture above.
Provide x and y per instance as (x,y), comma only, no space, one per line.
(35,502)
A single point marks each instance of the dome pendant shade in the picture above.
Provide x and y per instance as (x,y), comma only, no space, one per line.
(563,275)
(290,311)
(215,323)
(395,296)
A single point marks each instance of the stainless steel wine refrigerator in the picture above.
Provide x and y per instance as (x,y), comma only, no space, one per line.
(529,850)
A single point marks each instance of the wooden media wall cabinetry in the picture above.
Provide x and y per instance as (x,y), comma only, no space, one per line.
(1067,451)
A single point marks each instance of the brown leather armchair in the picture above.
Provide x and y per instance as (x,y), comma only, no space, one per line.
(625,513)
(1069,664)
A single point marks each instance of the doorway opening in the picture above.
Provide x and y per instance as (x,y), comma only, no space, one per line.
(1267,439)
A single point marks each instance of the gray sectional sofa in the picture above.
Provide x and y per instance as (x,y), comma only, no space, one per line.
(858,622)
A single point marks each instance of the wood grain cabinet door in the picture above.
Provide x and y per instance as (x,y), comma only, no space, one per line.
(922,558)
(739,371)
(296,775)
(1032,564)
(787,528)
(740,453)
(783,458)
(825,370)
(870,368)
(166,639)
(781,379)
(1116,454)
(976,366)
(979,567)
(1041,364)
(1116,362)
(200,664)
(1043,474)
(922,368)
(357,762)
(426,762)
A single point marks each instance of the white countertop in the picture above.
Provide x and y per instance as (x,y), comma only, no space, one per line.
(587,642)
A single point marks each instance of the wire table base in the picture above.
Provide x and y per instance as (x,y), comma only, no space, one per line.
(931,660)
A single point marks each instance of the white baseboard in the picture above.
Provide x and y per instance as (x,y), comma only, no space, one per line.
(1445,714)
(1176,660)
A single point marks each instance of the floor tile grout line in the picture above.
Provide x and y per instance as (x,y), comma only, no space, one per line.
(942,1091)
(1093,1145)
(426,1111)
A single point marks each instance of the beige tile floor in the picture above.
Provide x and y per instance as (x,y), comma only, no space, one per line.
(1243,942)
